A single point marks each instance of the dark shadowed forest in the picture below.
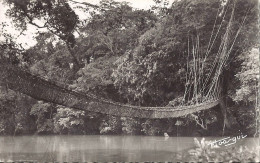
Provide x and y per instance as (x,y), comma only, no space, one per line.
(133,56)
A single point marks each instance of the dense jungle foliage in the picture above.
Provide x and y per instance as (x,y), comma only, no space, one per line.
(132,56)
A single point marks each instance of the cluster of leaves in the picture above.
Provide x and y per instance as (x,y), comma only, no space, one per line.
(248,77)
(50,12)
(69,121)
(111,125)
(131,126)
(205,152)
(116,26)
(47,15)
(15,113)
(11,52)
(43,113)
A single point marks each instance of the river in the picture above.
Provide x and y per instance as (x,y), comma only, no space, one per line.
(96,148)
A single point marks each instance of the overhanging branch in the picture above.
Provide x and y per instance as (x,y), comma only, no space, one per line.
(85,3)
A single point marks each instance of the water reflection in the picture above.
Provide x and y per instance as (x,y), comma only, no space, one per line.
(95,148)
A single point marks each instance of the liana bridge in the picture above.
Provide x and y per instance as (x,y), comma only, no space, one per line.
(19,80)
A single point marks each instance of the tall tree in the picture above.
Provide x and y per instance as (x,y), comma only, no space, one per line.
(54,15)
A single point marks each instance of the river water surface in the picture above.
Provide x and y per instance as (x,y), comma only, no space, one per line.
(97,148)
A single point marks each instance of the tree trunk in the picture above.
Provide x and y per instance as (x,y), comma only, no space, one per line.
(223,107)
(223,100)
(77,64)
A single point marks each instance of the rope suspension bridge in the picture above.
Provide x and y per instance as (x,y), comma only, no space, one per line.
(205,96)
(38,88)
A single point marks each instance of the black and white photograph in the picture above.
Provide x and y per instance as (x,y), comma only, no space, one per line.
(129,81)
